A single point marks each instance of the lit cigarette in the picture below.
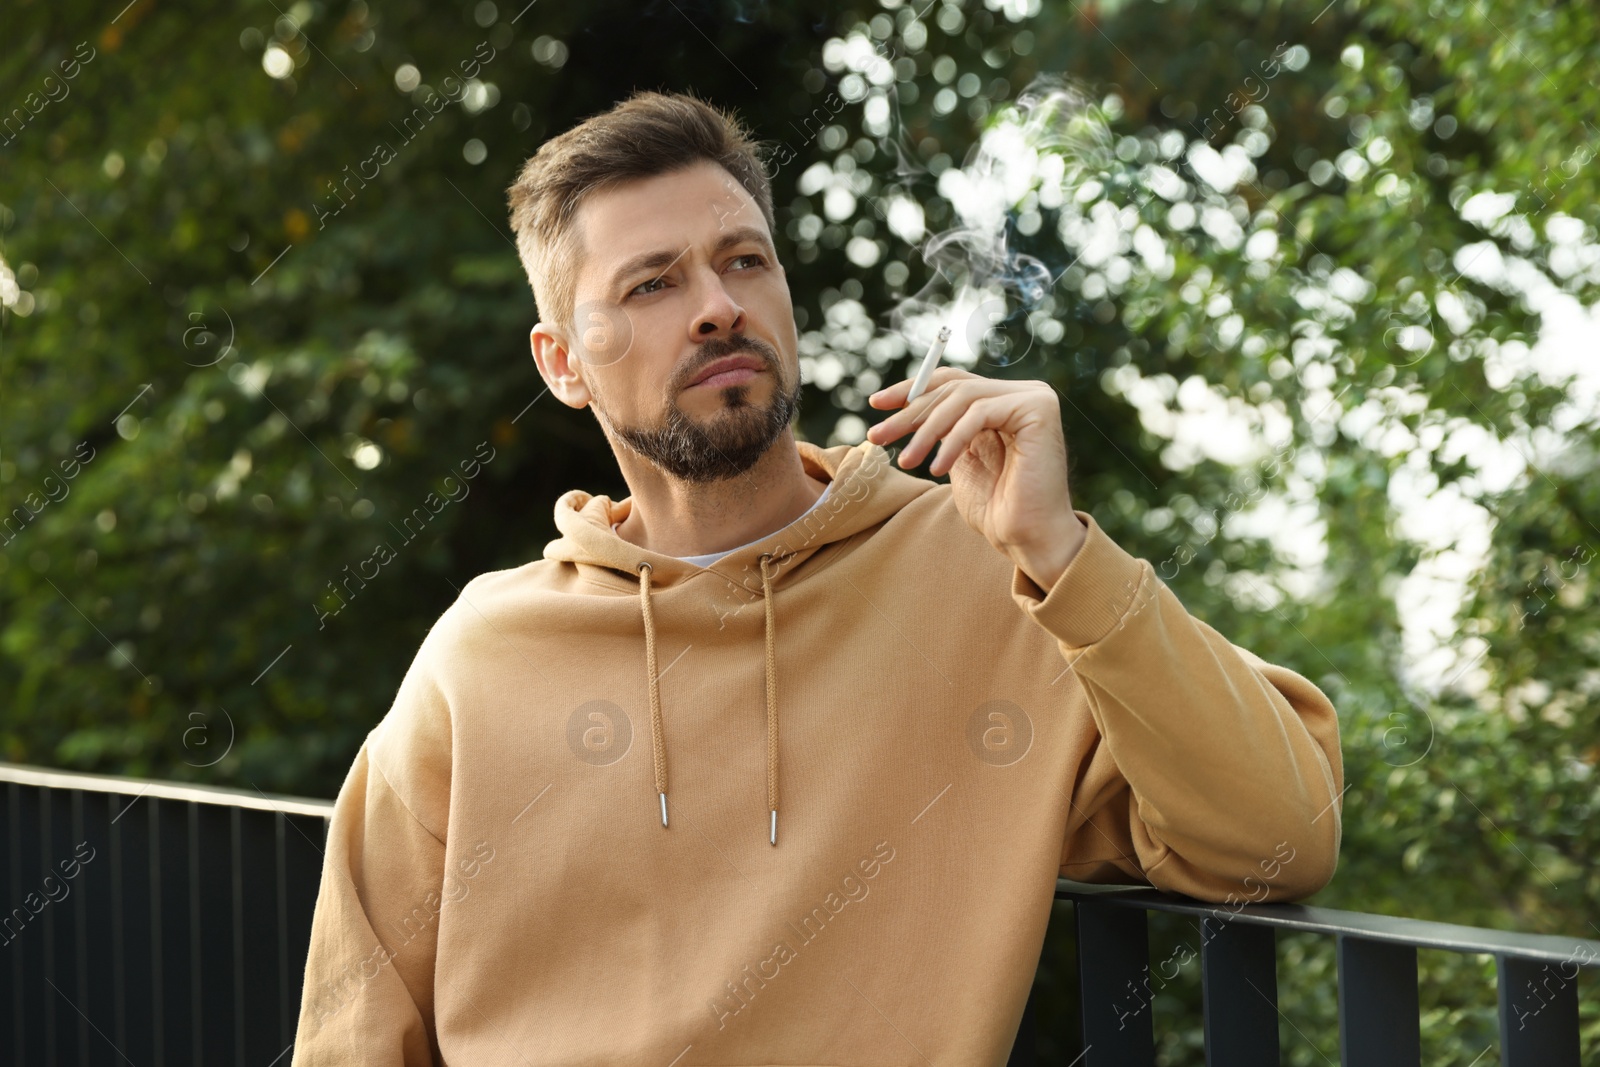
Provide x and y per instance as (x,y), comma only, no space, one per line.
(929,362)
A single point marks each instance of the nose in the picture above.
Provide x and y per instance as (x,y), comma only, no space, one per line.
(718,314)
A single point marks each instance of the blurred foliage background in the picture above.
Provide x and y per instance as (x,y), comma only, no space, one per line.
(1303,318)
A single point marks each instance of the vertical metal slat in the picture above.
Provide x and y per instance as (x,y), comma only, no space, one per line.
(287,1008)
(211,926)
(236,869)
(214,921)
(9,930)
(46,934)
(1239,979)
(90,868)
(80,926)
(107,844)
(138,976)
(1538,1013)
(166,897)
(1379,1023)
(1113,976)
(257,938)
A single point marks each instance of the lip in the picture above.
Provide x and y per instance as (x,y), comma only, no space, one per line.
(729,371)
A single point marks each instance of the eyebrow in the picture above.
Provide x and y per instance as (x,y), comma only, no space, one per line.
(663,258)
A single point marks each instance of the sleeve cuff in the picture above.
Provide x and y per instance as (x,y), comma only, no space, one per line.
(1091,596)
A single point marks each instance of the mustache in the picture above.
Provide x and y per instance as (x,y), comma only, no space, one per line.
(722,347)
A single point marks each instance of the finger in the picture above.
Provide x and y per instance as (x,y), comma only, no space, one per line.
(937,422)
(979,416)
(906,419)
(887,398)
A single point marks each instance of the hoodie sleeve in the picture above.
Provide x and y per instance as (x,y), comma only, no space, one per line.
(368,996)
(1213,773)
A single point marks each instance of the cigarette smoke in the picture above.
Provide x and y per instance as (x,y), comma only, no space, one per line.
(1033,155)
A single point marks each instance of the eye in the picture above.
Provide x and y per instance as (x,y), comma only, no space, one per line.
(642,289)
(760,261)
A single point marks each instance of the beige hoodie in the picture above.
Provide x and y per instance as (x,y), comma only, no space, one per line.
(939,744)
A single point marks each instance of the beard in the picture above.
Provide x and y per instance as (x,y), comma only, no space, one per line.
(730,441)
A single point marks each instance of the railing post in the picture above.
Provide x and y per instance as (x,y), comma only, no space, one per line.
(1239,980)
(1113,979)
(1538,1012)
(1379,1024)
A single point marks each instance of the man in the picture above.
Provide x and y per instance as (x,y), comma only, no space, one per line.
(778,759)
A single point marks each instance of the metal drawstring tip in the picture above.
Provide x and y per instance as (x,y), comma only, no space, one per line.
(774,826)
(663,811)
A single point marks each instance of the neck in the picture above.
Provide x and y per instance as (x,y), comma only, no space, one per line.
(678,518)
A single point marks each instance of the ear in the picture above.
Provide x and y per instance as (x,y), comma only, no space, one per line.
(553,356)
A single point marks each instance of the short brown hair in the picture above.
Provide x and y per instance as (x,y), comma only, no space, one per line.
(644,136)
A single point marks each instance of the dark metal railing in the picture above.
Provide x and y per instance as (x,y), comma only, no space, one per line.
(1379,1017)
(152,922)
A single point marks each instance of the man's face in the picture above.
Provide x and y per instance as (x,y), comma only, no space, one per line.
(678,272)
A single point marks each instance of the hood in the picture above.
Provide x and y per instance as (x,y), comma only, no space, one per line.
(865,489)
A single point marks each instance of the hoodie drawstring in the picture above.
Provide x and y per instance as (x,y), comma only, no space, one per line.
(772,697)
(658,745)
(657,749)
